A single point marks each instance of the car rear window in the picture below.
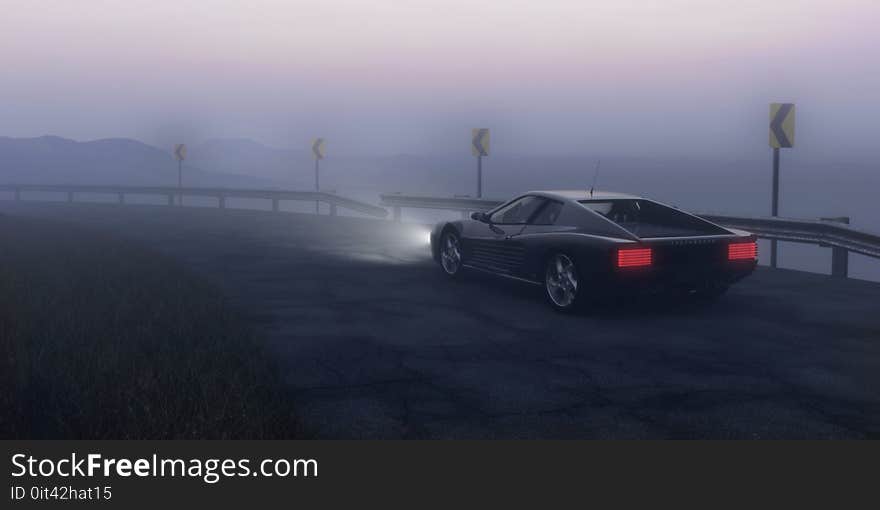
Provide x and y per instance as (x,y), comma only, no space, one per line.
(644,218)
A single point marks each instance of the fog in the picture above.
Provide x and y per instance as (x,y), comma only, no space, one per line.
(567,77)
(672,96)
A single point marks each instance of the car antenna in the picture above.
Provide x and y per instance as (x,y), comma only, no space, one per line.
(595,177)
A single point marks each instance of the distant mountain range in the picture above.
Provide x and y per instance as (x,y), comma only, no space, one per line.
(222,162)
(56,160)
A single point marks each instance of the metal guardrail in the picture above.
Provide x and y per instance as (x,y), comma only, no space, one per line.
(221,194)
(829,232)
(398,201)
(833,232)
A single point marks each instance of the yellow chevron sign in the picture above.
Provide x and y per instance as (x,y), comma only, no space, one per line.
(319,148)
(781,125)
(480,142)
(180,151)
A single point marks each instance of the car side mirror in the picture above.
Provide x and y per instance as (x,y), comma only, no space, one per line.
(478,216)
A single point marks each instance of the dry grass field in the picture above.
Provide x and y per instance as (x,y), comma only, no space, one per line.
(104,339)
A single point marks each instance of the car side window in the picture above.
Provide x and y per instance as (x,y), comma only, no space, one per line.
(518,211)
(548,214)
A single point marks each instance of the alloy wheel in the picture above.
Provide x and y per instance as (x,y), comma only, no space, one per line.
(561,281)
(450,253)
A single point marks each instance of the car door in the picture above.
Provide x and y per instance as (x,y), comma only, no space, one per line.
(493,244)
(547,220)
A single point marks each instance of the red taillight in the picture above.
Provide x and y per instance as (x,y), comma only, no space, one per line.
(742,251)
(638,257)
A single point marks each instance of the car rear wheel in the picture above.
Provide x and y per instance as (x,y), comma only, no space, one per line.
(450,253)
(561,283)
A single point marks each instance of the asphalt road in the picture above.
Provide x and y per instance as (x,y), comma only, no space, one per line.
(377,343)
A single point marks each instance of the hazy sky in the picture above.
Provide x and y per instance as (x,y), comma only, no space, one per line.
(385,76)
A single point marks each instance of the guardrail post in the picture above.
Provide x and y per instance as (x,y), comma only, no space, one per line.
(396,213)
(332,208)
(275,204)
(170,199)
(464,215)
(839,256)
(122,198)
(839,262)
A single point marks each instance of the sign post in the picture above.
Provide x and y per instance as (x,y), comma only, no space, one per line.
(179,155)
(480,148)
(318,151)
(781,137)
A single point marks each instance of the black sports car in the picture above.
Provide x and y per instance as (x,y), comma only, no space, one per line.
(582,246)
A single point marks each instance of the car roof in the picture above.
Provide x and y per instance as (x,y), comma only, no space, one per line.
(581,194)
